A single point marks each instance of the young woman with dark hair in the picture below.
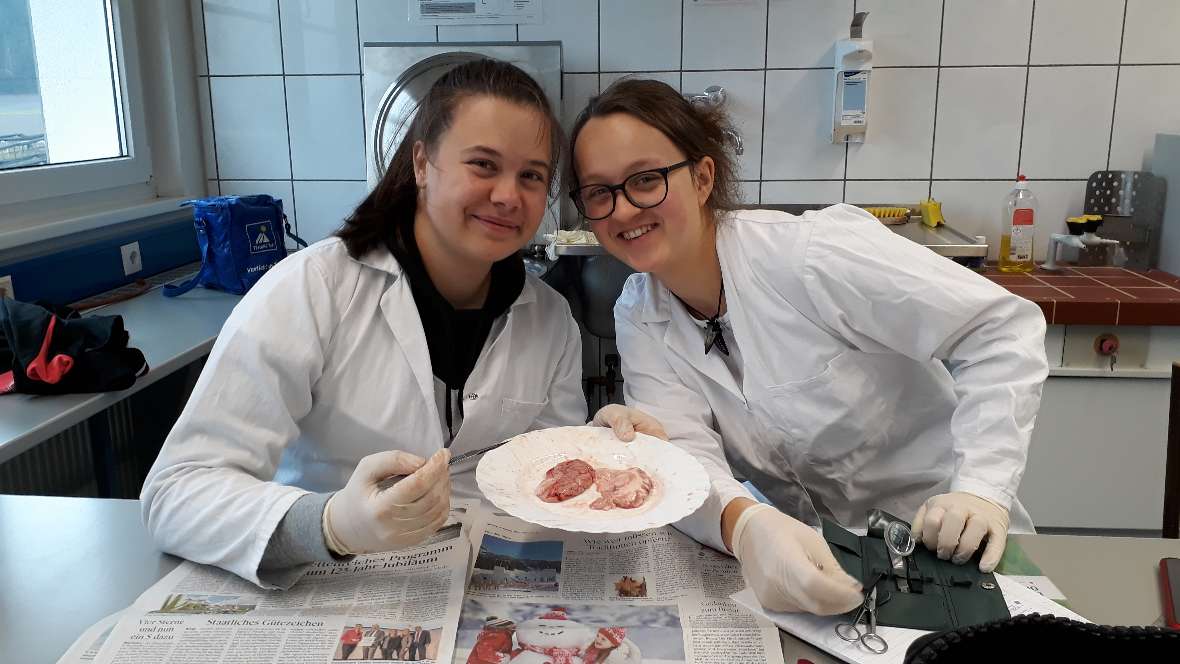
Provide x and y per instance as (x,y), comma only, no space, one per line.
(413,333)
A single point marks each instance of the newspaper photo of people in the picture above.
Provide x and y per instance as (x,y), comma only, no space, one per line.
(526,566)
(494,632)
(375,641)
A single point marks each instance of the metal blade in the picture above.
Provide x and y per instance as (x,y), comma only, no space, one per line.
(394,479)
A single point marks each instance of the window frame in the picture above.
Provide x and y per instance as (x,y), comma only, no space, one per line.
(55,180)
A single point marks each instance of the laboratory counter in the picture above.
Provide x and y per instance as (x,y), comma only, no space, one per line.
(171,333)
(1097,295)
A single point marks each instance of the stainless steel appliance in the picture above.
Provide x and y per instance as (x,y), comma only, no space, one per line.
(396,76)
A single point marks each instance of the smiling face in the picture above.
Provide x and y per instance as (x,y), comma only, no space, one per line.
(484,187)
(613,147)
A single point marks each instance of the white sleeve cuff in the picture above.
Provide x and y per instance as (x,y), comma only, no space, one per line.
(704,525)
(984,490)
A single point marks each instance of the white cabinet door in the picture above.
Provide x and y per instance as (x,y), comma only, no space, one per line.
(1097,455)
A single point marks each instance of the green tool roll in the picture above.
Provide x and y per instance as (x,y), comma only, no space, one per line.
(942,595)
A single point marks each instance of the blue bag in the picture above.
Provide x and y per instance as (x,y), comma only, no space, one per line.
(241,237)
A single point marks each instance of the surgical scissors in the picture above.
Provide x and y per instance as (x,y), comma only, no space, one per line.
(870,639)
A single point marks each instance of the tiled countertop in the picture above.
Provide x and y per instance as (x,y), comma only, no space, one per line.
(1098,295)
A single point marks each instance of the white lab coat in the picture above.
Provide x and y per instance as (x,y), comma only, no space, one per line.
(879,372)
(322,363)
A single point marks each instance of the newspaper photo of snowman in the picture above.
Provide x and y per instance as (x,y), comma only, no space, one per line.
(493,632)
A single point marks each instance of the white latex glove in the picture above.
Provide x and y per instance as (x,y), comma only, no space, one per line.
(626,421)
(361,518)
(953,525)
(789,566)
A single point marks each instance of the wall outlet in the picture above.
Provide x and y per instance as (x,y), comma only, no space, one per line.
(6,289)
(132,258)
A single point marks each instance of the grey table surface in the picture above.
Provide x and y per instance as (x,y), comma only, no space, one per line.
(170,332)
(66,563)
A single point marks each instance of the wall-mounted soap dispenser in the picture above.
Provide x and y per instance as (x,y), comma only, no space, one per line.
(854,64)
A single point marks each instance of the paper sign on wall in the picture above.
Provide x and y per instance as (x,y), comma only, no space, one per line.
(474,12)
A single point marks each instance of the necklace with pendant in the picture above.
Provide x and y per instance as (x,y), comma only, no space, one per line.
(713,330)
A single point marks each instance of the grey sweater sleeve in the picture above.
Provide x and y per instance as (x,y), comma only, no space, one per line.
(297,542)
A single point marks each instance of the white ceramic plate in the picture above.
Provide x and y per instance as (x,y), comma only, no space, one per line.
(509,475)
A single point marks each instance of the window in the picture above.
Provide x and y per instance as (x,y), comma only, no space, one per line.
(59,84)
(67,75)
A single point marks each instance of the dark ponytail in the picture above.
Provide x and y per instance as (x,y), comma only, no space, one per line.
(698,132)
(392,203)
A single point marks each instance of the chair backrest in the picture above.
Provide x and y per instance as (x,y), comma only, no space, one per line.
(602,282)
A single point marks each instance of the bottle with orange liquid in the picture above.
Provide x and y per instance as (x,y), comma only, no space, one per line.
(1016,243)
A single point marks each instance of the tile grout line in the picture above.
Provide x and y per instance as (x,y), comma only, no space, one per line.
(209,88)
(843,180)
(598,50)
(657,71)
(1114,288)
(1045,283)
(1056,65)
(308,75)
(360,63)
(1024,103)
(360,47)
(765,94)
(922,179)
(680,71)
(287,115)
(293,179)
(937,94)
(755,69)
(1114,106)
(1170,286)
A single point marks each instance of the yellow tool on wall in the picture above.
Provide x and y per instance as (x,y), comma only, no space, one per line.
(931,213)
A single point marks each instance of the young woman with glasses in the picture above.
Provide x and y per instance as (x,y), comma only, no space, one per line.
(836,365)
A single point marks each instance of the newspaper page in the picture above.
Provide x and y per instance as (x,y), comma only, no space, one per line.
(541,596)
(395,606)
(86,647)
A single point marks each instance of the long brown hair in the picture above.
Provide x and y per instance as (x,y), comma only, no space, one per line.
(394,200)
(696,131)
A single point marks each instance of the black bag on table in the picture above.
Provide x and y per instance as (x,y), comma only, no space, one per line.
(45,353)
(1038,638)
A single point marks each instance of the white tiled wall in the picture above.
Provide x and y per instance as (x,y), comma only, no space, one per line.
(966,93)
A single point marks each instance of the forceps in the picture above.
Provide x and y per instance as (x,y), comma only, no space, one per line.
(870,639)
(394,479)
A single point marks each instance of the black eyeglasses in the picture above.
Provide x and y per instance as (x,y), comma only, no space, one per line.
(645,189)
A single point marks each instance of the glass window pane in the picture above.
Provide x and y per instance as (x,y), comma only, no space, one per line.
(59,86)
